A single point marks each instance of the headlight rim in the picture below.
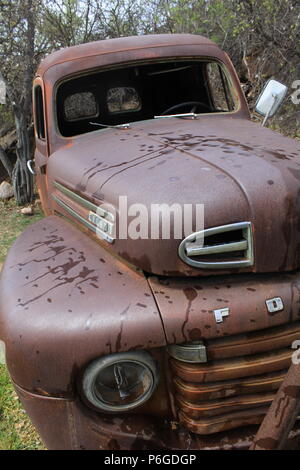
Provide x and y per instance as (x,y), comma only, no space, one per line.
(142,358)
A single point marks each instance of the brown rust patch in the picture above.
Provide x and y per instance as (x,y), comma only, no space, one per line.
(195,334)
(266,443)
(292,391)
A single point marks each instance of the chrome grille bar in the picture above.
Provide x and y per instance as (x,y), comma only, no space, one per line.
(214,249)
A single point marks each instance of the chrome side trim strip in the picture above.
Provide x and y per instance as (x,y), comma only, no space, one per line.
(81,219)
(101,222)
(84,202)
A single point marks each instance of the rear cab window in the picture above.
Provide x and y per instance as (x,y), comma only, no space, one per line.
(122,100)
(80,105)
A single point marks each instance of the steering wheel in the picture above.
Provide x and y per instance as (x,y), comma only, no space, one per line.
(195,104)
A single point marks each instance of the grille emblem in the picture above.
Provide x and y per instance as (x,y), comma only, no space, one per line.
(220,313)
(274,305)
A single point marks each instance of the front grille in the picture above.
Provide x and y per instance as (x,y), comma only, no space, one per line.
(237,384)
(227,246)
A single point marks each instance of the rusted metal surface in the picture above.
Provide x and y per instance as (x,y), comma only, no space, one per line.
(195,162)
(66,297)
(98,50)
(65,301)
(228,388)
(181,160)
(225,422)
(281,415)
(82,429)
(108,53)
(222,407)
(63,268)
(253,343)
(187,306)
(223,394)
(233,368)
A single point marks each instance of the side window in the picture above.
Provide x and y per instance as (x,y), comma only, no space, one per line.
(39,112)
(219,87)
(122,100)
(80,106)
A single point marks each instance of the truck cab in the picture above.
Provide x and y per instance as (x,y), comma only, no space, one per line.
(156,304)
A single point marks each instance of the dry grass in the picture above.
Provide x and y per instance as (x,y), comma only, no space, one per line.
(12,224)
(16,430)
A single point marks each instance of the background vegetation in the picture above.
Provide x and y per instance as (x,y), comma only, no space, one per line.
(16,431)
(13,223)
(261,37)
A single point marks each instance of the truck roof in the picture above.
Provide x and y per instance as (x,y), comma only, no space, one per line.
(124,44)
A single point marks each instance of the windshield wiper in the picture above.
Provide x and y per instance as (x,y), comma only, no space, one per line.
(192,115)
(118,126)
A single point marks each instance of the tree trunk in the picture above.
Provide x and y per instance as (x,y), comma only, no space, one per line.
(22,180)
(6,162)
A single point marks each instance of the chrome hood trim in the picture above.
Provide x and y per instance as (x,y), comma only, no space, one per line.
(197,245)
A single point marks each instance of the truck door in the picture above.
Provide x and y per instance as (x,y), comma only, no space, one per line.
(41,150)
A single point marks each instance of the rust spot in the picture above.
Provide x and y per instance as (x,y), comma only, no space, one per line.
(190,293)
(113,445)
(195,334)
(266,443)
(292,391)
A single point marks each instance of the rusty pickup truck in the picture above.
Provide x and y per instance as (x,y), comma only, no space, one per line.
(118,333)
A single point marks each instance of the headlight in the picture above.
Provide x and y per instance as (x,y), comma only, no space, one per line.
(120,382)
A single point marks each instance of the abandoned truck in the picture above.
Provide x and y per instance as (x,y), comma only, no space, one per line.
(136,342)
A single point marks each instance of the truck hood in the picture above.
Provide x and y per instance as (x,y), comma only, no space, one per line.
(238,170)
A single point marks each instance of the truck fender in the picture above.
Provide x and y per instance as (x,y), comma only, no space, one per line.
(64,301)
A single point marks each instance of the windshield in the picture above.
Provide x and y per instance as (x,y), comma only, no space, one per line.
(141,92)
